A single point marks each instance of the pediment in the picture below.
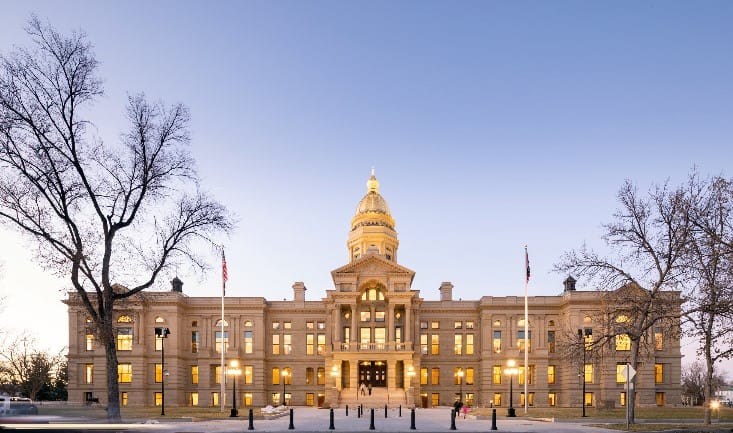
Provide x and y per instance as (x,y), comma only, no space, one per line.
(373,264)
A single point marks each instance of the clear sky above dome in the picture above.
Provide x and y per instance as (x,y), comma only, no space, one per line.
(491,125)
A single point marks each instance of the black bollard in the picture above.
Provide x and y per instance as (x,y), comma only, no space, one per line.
(371,422)
(452,419)
(493,419)
(347,410)
(251,420)
(400,412)
(385,411)
(291,426)
(412,419)
(330,425)
(358,411)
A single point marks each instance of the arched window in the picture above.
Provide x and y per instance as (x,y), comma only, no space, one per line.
(124,319)
(551,323)
(248,323)
(372,294)
(219,323)
(159,320)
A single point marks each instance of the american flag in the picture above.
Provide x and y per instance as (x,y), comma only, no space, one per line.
(526,261)
(224,274)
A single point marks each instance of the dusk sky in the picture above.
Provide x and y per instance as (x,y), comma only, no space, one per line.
(490,125)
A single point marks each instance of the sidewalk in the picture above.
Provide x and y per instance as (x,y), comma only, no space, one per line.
(306,419)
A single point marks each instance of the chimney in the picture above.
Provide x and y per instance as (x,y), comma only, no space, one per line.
(299,291)
(569,284)
(176,285)
(446,291)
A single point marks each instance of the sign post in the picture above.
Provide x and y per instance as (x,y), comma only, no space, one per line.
(628,373)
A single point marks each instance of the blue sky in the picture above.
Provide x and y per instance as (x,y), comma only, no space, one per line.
(491,125)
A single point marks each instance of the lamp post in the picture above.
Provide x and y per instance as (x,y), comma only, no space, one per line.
(285,375)
(510,371)
(162,333)
(234,371)
(582,370)
(459,375)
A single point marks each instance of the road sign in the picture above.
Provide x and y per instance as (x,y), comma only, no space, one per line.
(628,372)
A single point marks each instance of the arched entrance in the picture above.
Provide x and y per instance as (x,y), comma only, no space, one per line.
(374,372)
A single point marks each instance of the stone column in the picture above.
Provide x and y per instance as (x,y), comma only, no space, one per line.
(408,323)
(390,323)
(354,319)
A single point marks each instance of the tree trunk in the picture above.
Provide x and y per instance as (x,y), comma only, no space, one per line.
(631,393)
(113,387)
(708,387)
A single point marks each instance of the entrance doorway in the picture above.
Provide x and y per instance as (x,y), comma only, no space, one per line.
(374,372)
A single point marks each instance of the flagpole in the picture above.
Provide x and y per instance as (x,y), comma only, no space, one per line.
(526,332)
(222,374)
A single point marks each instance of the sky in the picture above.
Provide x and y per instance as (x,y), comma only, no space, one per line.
(491,125)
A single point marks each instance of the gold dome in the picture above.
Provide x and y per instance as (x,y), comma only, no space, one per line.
(372,203)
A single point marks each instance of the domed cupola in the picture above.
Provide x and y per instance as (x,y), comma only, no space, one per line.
(372,228)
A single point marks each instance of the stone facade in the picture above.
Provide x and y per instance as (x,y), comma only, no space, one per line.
(371,328)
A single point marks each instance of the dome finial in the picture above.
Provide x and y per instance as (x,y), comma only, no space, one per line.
(373,183)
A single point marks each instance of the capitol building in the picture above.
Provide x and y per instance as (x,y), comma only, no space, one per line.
(373,328)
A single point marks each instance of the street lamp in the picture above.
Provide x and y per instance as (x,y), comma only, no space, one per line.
(459,375)
(234,371)
(510,371)
(581,337)
(285,375)
(162,333)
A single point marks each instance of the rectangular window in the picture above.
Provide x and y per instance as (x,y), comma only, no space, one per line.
(435,325)
(622,398)
(216,371)
(275,344)
(497,399)
(287,375)
(620,373)
(195,341)
(218,339)
(623,342)
(287,325)
(434,399)
(457,325)
(215,399)
(423,324)
(123,399)
(275,325)
(365,316)
(469,399)
(660,398)
(380,337)
(530,401)
(158,398)
(588,373)
(469,376)
(158,344)
(658,373)
(423,376)
(379,316)
(310,344)
(521,341)
(248,372)
(496,374)
(247,399)
(309,376)
(321,374)
(365,337)
(469,344)
(310,325)
(89,373)
(497,341)
(275,375)
(530,371)
(124,338)
(658,339)
(458,375)
(248,342)
(398,334)
(89,342)
(550,374)
(458,344)
(551,341)
(287,344)
(435,376)
(310,399)
(435,344)
(124,372)
(469,324)
(588,399)
(193,399)
(552,399)
(321,326)
(588,338)
(158,373)
(321,349)
(347,334)
(195,374)
(424,344)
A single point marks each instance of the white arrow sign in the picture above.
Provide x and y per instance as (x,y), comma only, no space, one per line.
(628,372)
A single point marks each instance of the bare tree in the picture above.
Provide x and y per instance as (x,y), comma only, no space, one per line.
(709,307)
(26,369)
(98,214)
(694,381)
(647,240)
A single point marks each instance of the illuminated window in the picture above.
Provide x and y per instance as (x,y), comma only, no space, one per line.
(622,399)
(469,324)
(435,376)
(310,399)
(434,325)
(215,399)
(195,341)
(423,324)
(469,376)
(497,341)
(620,373)
(530,371)
(496,373)
(158,344)
(424,344)
(457,325)
(193,399)
(551,341)
(276,375)
(248,323)
(288,325)
(521,341)
(435,344)
(275,325)
(124,372)
(423,376)
(588,338)
(321,374)
(321,326)
(497,322)
(248,342)
(658,373)
(89,373)
(159,320)
(123,399)
(552,399)
(588,399)
(310,344)
(216,369)
(469,344)
(195,374)
(372,295)
(435,399)
(321,344)
(588,373)
(550,374)
(365,315)
(623,342)
(158,398)
(530,400)
(379,316)
(89,342)
(248,399)
(660,398)
(158,373)
(287,344)
(275,344)
(458,344)
(218,339)
(497,399)
(124,319)
(309,376)
(124,338)
(658,339)
(458,375)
